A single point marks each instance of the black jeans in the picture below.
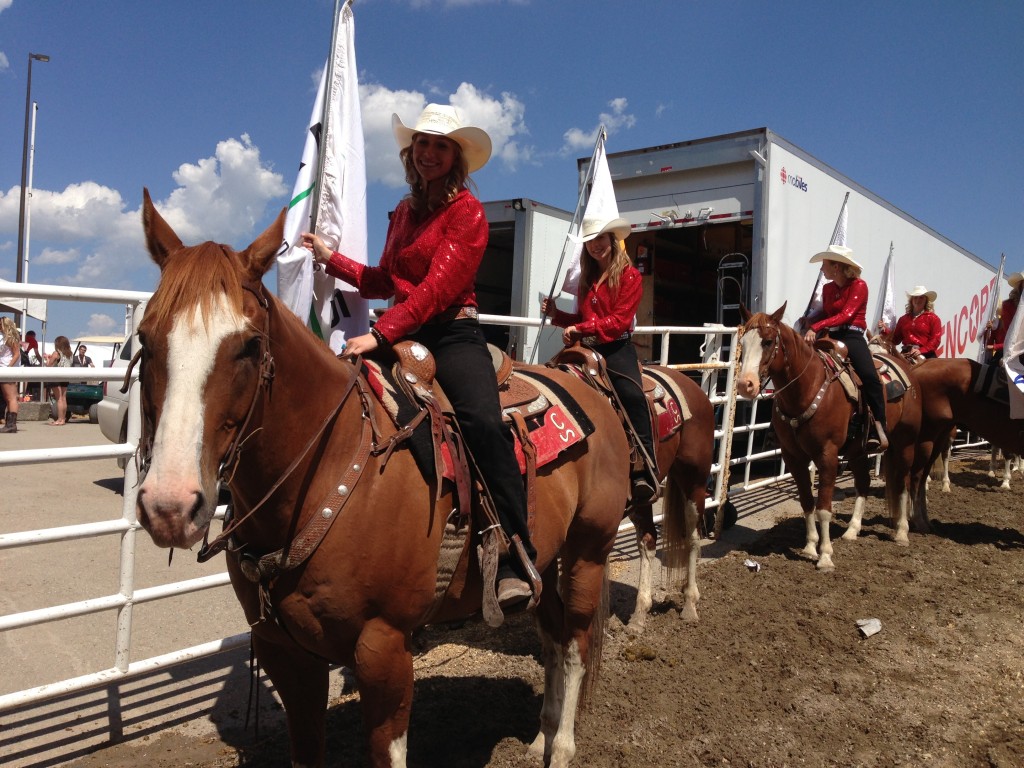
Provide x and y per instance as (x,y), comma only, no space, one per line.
(864,365)
(624,370)
(466,374)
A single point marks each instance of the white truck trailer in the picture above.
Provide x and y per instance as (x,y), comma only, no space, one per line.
(736,217)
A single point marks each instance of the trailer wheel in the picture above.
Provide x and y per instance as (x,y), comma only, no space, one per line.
(94,417)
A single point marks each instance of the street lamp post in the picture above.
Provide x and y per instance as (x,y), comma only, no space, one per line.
(24,165)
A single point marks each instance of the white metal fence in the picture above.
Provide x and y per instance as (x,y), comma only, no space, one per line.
(739,435)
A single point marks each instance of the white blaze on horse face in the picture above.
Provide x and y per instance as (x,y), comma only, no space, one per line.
(748,383)
(176,478)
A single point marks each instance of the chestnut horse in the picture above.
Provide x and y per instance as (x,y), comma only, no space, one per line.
(947,387)
(234,386)
(811,415)
(684,464)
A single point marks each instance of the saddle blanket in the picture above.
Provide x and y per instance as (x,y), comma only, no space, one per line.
(991,383)
(556,429)
(670,408)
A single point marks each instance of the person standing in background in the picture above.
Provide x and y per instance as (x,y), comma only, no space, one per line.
(81,360)
(60,358)
(10,356)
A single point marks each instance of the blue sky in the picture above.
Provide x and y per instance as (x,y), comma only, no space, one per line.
(207,104)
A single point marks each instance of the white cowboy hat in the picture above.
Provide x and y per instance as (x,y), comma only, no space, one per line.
(839,253)
(1015,279)
(920,290)
(444,120)
(591,228)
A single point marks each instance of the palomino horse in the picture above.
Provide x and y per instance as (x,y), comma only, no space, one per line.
(235,387)
(811,416)
(684,464)
(949,395)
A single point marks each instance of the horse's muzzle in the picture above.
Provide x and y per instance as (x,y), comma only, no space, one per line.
(747,386)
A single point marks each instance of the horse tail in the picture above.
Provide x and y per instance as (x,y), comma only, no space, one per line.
(597,628)
(674,552)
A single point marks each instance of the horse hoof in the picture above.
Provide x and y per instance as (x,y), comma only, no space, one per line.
(902,542)
(850,535)
(689,615)
(636,627)
(826,565)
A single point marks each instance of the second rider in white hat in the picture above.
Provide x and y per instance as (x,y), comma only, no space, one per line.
(608,296)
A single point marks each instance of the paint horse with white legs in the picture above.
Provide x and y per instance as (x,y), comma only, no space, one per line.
(1010,463)
(811,416)
(337,537)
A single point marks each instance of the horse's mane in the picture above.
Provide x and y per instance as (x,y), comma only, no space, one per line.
(195,277)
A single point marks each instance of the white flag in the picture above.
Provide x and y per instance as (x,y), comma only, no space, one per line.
(600,205)
(886,308)
(983,354)
(814,306)
(1013,347)
(333,309)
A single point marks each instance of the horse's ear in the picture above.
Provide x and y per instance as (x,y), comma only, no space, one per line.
(160,238)
(744,313)
(778,313)
(264,249)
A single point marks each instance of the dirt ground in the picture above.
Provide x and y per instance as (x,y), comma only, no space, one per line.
(776,672)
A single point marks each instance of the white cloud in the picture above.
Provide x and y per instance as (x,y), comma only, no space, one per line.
(4,63)
(103,325)
(222,197)
(5,4)
(54,256)
(378,104)
(615,120)
(90,228)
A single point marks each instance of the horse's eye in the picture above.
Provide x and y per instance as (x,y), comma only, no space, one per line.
(250,349)
(765,343)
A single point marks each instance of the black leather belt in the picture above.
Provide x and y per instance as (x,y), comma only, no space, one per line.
(455,313)
(592,340)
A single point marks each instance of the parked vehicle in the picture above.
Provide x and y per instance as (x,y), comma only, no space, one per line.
(82,399)
(724,219)
(112,409)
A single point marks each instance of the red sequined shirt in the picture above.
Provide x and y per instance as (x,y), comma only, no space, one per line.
(1005,320)
(428,265)
(603,315)
(843,306)
(923,331)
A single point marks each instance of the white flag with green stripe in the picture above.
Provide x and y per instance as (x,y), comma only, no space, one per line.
(333,309)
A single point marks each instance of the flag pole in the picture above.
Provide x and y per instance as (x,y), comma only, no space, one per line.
(821,275)
(324,118)
(983,337)
(601,136)
(573,226)
(839,221)
(884,295)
